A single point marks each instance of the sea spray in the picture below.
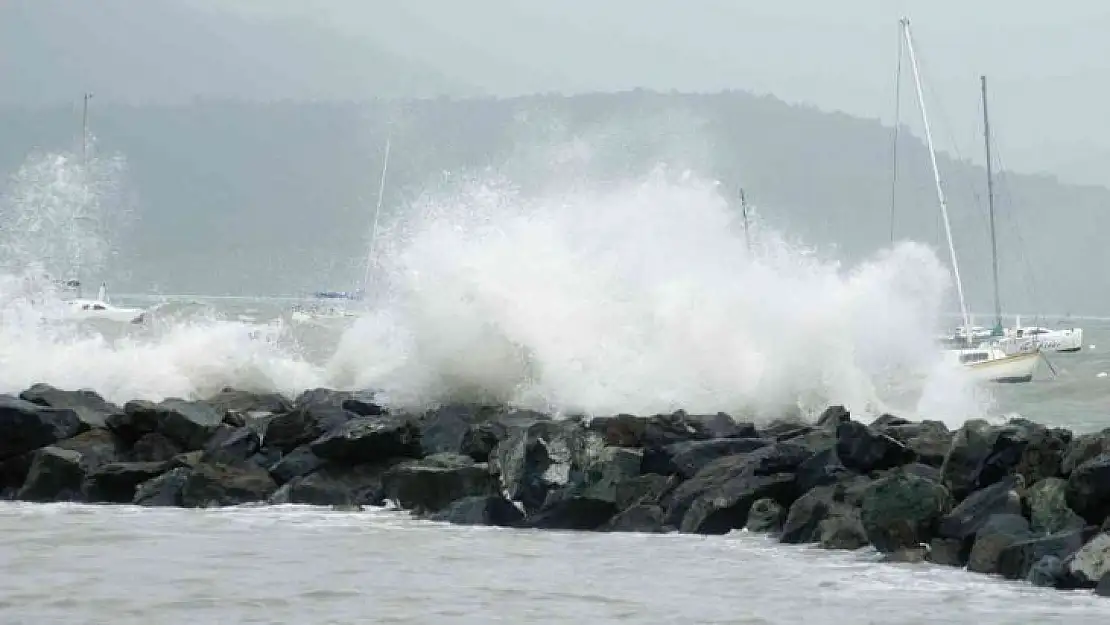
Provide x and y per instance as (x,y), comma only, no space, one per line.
(635,297)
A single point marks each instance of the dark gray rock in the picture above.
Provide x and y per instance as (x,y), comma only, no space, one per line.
(427,487)
(481,510)
(1017,559)
(721,425)
(188,424)
(13,473)
(1042,455)
(572,513)
(1048,507)
(948,552)
(1088,490)
(89,407)
(992,538)
(303,425)
(445,429)
(297,463)
(929,440)
(821,469)
(766,516)
(367,440)
(1048,572)
(247,402)
(687,458)
(329,398)
(902,510)
(643,489)
(649,432)
(888,420)
(726,508)
(164,490)
(96,446)
(230,444)
(1103,587)
(842,531)
(117,482)
(335,486)
(480,439)
(154,447)
(220,484)
(972,513)
(1082,448)
(970,448)
(541,457)
(833,416)
(644,518)
(55,475)
(862,449)
(907,555)
(25,427)
(803,521)
(605,472)
(1092,562)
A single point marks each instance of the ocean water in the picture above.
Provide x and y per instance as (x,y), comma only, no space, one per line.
(634,296)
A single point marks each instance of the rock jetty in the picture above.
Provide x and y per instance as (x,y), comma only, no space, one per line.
(1019,500)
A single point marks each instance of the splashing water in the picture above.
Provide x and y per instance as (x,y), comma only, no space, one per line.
(642,298)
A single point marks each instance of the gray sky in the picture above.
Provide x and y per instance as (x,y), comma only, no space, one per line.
(1048,63)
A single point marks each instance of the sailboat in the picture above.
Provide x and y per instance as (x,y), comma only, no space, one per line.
(986,361)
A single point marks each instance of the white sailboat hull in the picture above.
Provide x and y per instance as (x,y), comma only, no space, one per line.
(1064,340)
(1014,368)
(96,309)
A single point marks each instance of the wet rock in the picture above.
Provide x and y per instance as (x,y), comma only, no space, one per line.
(1017,559)
(1092,562)
(1043,454)
(96,446)
(863,449)
(948,552)
(821,469)
(1103,587)
(541,457)
(644,489)
(368,440)
(920,470)
(1088,489)
(833,416)
(90,408)
(842,531)
(992,538)
(929,440)
(970,448)
(480,439)
(426,487)
(644,518)
(13,473)
(903,510)
(785,429)
(907,555)
(766,516)
(721,425)
(805,515)
(360,403)
(686,459)
(117,482)
(1083,448)
(738,476)
(1048,507)
(649,432)
(603,474)
(230,400)
(154,447)
(164,490)
(974,512)
(188,424)
(445,429)
(573,513)
(331,486)
(230,444)
(481,510)
(297,463)
(55,475)
(220,484)
(888,420)
(303,425)
(1047,572)
(25,427)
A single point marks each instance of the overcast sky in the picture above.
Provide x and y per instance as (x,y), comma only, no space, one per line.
(1048,63)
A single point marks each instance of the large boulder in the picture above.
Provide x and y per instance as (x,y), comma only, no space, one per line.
(803,521)
(947,552)
(1088,490)
(842,531)
(154,447)
(973,513)
(361,403)
(55,475)
(90,408)
(220,484)
(367,440)
(541,457)
(650,432)
(96,446)
(766,516)
(604,473)
(982,454)
(1048,572)
(687,458)
(423,486)
(821,469)
(117,482)
(1092,562)
(902,510)
(745,478)
(297,463)
(930,440)
(643,518)
(188,424)
(164,490)
(1083,448)
(335,486)
(230,444)
(25,426)
(249,403)
(480,510)
(862,449)
(992,537)
(303,425)
(1048,507)
(643,489)
(1018,559)
(833,416)
(565,511)
(445,429)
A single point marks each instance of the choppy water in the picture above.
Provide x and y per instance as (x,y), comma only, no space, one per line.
(121,565)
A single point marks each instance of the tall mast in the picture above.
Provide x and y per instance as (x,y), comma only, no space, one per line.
(894,137)
(936,177)
(85,131)
(370,256)
(744,212)
(990,204)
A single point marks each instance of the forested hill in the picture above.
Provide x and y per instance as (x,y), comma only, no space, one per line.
(274,198)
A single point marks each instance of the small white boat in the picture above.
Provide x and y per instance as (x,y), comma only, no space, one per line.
(101,308)
(1059,340)
(991,363)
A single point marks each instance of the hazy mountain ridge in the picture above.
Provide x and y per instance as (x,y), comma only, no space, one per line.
(276,198)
